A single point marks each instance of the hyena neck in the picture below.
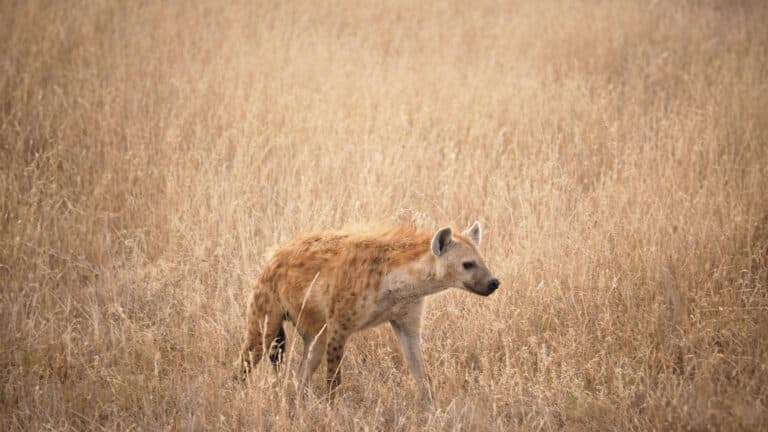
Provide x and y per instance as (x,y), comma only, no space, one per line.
(417,278)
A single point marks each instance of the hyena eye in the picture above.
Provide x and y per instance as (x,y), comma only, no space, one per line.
(468,265)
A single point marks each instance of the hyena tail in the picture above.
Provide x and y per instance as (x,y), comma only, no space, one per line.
(264,326)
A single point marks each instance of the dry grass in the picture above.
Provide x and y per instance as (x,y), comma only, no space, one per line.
(616,151)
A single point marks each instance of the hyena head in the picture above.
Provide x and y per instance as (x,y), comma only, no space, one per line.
(459,263)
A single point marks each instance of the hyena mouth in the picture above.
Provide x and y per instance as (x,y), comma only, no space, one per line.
(484,293)
(472,289)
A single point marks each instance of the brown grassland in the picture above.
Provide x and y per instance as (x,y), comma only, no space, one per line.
(615,151)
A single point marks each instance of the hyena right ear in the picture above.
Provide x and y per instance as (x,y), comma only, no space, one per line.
(474,232)
(441,241)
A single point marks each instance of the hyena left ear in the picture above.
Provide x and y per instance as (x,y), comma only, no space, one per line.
(474,232)
(441,241)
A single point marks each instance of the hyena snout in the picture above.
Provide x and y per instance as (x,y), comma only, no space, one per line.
(484,288)
(493,285)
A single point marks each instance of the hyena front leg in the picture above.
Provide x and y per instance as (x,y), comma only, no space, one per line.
(334,352)
(408,331)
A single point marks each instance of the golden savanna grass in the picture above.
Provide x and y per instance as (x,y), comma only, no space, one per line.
(616,153)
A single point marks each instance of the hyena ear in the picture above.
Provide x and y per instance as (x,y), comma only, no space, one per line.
(441,241)
(474,232)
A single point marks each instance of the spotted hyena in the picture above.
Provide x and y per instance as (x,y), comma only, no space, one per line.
(333,284)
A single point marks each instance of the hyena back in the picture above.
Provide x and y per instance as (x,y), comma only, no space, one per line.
(333,284)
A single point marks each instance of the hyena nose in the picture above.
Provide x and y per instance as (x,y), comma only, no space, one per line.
(493,285)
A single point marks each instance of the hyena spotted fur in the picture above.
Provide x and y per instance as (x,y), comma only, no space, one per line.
(333,284)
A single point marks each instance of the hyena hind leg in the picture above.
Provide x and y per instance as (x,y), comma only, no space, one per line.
(263,326)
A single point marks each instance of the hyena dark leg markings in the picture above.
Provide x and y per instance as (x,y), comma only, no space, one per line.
(277,351)
(333,354)
(263,326)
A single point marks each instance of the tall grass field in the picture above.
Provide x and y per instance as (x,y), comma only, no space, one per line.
(616,153)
